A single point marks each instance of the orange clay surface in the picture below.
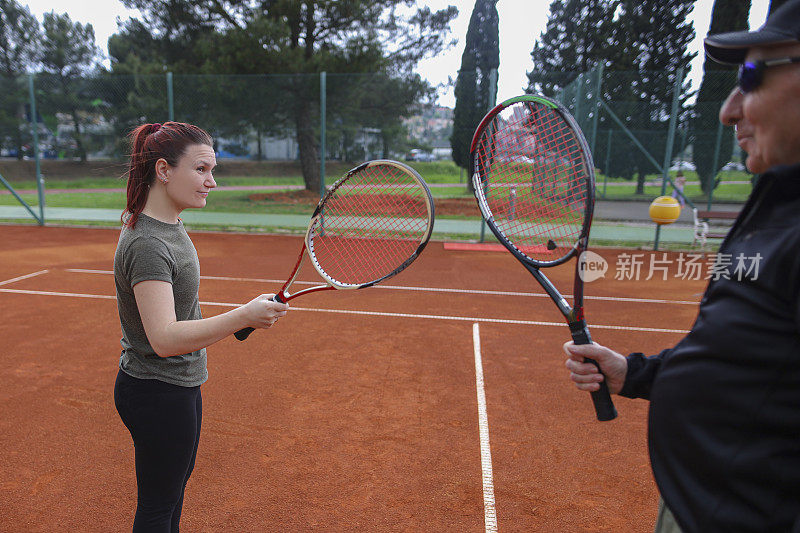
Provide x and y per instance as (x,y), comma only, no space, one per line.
(332,421)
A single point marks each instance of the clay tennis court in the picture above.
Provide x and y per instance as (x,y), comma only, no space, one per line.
(358,411)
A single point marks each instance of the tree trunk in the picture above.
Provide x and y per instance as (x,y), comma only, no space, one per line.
(18,142)
(78,138)
(309,155)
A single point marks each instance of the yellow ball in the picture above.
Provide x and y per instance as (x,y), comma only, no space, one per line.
(665,210)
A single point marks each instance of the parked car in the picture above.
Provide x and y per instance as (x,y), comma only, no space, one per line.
(683,165)
(420,155)
(733,166)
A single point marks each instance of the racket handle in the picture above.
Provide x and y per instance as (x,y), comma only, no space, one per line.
(243,333)
(603,405)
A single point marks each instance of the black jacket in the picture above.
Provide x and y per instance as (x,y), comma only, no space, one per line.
(724,421)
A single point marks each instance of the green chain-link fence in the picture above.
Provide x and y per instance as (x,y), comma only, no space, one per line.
(636,128)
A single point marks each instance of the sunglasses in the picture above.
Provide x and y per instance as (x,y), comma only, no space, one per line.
(751,73)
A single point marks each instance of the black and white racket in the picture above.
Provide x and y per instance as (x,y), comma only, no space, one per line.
(370,225)
(534,182)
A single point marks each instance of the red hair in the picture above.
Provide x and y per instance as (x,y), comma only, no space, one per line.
(149,143)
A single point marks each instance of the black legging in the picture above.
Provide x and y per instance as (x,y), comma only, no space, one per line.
(164,421)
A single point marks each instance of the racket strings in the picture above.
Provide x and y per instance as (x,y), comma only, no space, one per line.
(534,179)
(370,225)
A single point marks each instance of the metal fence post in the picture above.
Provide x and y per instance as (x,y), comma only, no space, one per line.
(578,97)
(712,178)
(673,121)
(170,98)
(608,161)
(36,155)
(596,116)
(322,102)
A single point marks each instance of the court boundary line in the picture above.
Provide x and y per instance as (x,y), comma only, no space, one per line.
(26,276)
(429,289)
(489,507)
(374,313)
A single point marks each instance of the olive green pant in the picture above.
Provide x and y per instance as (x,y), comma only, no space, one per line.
(665,523)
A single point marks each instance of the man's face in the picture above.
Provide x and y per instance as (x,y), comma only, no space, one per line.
(767,119)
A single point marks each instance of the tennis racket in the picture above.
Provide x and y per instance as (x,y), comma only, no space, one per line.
(370,225)
(534,182)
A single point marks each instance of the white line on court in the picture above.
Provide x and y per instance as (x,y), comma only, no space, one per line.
(431,289)
(51,293)
(489,509)
(26,276)
(377,313)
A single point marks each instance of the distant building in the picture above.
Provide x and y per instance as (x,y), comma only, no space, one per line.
(434,122)
(442,149)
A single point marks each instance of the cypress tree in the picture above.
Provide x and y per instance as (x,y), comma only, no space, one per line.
(474,84)
(718,80)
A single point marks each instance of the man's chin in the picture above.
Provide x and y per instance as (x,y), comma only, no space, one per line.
(754,165)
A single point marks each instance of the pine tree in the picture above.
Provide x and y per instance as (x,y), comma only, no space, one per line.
(577,39)
(641,44)
(295,37)
(19,38)
(651,39)
(475,83)
(726,15)
(68,54)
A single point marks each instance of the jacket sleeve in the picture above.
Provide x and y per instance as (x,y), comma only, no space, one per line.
(642,371)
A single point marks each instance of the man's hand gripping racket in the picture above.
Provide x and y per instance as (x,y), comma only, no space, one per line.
(534,182)
(371,224)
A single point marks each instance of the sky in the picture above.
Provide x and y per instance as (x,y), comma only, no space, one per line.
(521,24)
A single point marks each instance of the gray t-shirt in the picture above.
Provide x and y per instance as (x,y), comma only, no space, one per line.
(156,250)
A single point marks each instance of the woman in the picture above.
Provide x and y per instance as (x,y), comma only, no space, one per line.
(157,275)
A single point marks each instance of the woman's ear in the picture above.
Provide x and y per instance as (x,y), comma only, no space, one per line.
(162,170)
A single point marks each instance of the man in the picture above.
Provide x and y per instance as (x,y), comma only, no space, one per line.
(724,419)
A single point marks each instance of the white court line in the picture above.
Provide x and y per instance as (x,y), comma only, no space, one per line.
(51,293)
(377,313)
(26,276)
(489,509)
(433,289)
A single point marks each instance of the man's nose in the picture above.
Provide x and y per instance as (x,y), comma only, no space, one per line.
(731,111)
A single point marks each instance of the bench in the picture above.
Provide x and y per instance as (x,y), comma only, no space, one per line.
(701,227)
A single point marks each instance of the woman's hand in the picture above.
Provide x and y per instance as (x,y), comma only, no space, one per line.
(262,311)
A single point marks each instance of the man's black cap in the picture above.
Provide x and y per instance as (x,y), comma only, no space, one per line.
(782,27)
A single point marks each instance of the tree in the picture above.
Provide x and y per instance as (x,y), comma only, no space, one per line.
(475,84)
(19,35)
(640,44)
(377,102)
(650,42)
(297,38)
(726,15)
(578,38)
(68,56)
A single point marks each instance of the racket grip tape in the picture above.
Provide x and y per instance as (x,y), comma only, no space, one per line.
(603,405)
(243,333)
